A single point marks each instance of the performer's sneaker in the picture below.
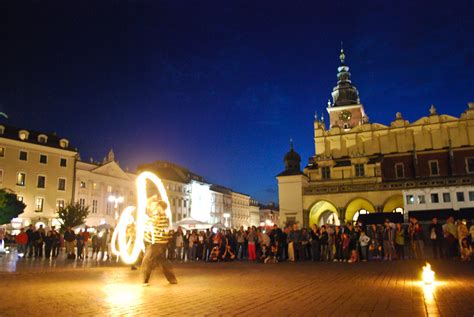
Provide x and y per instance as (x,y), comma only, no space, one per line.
(145,284)
(173,282)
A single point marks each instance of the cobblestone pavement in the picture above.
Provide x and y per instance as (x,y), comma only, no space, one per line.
(37,288)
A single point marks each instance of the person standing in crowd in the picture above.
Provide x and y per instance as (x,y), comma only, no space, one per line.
(436,238)
(251,237)
(451,236)
(303,246)
(284,244)
(56,242)
(171,246)
(364,241)
(86,237)
(241,243)
(21,242)
(48,244)
(388,237)
(400,241)
(323,243)
(315,251)
(419,240)
(466,251)
(30,232)
(200,249)
(346,241)
(104,245)
(338,243)
(95,242)
(471,233)
(462,231)
(80,245)
(69,240)
(179,243)
(37,243)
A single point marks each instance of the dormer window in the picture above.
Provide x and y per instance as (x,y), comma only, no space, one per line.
(42,138)
(2,129)
(63,143)
(23,135)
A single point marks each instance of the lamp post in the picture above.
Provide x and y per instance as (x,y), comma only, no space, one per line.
(116,200)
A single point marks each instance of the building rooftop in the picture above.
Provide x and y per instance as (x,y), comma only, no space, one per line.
(35,137)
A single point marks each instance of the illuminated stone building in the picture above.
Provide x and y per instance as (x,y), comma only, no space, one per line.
(192,196)
(362,167)
(39,168)
(105,188)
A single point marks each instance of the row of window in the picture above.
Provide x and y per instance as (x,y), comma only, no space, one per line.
(40,183)
(399,169)
(435,198)
(39,203)
(43,158)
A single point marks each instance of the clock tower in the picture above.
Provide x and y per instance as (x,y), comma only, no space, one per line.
(345,111)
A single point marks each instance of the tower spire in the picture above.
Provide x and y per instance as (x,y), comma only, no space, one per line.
(342,56)
(291,143)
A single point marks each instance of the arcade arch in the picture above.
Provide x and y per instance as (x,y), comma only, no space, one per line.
(394,204)
(356,207)
(323,212)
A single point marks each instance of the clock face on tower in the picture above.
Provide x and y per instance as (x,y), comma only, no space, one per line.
(345,115)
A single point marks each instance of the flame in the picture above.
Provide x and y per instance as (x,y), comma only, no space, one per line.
(126,219)
(428,274)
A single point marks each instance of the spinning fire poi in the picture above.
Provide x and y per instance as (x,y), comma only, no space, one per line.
(150,223)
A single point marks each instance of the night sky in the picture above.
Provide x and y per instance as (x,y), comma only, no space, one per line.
(220,87)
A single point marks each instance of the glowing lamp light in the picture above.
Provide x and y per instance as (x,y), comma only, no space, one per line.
(428,274)
(126,219)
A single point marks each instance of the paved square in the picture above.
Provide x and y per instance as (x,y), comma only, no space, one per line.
(230,289)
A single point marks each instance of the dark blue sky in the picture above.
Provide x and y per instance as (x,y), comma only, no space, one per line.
(221,86)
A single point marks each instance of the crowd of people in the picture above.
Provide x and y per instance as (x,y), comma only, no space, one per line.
(348,243)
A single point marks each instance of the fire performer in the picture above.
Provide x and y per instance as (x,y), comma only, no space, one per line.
(157,237)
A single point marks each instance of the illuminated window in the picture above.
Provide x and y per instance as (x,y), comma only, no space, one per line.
(325,172)
(470,164)
(23,135)
(41,181)
(23,156)
(94,206)
(20,198)
(82,184)
(109,189)
(421,199)
(94,186)
(60,203)
(39,203)
(21,179)
(359,170)
(446,197)
(399,170)
(471,196)
(434,169)
(61,184)
(42,138)
(410,199)
(2,151)
(43,159)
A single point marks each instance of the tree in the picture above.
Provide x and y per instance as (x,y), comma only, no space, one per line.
(72,215)
(10,206)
